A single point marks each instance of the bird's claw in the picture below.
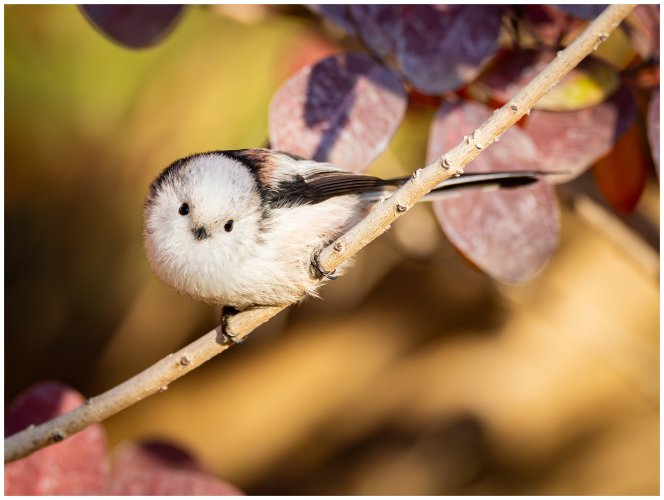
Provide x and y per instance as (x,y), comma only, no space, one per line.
(227,337)
(318,272)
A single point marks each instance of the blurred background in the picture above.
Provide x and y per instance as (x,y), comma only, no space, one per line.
(414,374)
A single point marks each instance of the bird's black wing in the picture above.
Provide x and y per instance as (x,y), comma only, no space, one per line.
(325,185)
(311,182)
(316,186)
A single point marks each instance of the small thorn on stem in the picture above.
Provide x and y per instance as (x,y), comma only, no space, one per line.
(56,437)
(401,207)
(445,163)
(185,360)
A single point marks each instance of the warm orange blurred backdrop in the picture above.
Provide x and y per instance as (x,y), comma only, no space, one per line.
(381,387)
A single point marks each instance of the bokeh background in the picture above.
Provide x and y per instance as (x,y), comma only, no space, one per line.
(415,373)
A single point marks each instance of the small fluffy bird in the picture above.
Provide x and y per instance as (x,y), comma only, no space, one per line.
(243,228)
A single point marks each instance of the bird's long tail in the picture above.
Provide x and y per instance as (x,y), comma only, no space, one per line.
(484,181)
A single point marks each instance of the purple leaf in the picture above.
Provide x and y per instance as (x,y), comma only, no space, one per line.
(510,234)
(343,110)
(586,12)
(437,48)
(571,141)
(156,468)
(653,127)
(380,28)
(76,466)
(134,26)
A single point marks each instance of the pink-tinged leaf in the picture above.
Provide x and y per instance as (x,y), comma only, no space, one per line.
(509,234)
(343,110)
(134,26)
(590,83)
(156,468)
(76,466)
(571,141)
(437,48)
(587,12)
(653,127)
(642,27)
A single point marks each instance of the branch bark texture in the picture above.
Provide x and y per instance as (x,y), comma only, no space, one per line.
(157,377)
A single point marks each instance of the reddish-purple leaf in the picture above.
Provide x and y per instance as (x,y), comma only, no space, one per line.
(588,11)
(642,27)
(437,48)
(134,26)
(343,110)
(510,234)
(590,83)
(653,127)
(76,466)
(162,469)
(571,141)
(546,23)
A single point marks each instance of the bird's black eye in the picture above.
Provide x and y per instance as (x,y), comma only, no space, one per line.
(184,209)
(229,226)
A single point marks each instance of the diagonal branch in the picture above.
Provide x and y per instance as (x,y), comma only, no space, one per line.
(157,377)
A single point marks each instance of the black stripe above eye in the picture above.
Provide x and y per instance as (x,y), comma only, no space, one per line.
(164,176)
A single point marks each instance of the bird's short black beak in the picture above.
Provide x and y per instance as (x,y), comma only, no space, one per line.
(200,233)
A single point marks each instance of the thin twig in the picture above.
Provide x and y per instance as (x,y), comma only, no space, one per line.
(160,375)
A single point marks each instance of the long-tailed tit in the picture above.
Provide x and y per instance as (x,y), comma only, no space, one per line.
(243,228)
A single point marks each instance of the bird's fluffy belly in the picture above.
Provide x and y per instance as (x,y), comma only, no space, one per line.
(277,269)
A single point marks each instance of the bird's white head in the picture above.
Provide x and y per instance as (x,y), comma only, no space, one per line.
(202,215)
